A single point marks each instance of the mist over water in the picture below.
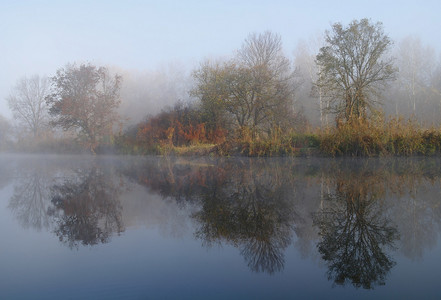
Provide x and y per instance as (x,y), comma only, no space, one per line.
(358,223)
(218,79)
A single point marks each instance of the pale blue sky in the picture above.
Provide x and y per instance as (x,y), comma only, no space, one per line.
(41,36)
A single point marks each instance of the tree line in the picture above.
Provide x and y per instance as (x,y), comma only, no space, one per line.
(257,96)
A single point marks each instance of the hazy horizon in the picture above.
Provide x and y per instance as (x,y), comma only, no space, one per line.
(38,37)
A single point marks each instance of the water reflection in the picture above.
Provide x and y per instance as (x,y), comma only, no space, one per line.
(86,207)
(240,203)
(252,211)
(350,209)
(31,192)
(355,231)
(353,214)
(77,200)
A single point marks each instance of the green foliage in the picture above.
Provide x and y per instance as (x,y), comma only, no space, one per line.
(353,68)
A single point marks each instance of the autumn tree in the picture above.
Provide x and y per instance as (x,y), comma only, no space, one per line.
(28,105)
(271,83)
(253,91)
(354,68)
(85,98)
(210,90)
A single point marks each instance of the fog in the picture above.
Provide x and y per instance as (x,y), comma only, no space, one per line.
(145,93)
(156,47)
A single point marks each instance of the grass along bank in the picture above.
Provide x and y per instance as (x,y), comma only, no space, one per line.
(395,137)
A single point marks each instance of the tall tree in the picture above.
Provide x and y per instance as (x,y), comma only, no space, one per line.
(354,68)
(255,90)
(210,89)
(268,93)
(85,98)
(28,105)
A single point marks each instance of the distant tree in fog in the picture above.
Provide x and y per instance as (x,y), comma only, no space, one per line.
(28,105)
(353,68)
(5,129)
(316,106)
(416,84)
(416,65)
(436,81)
(85,98)
(150,91)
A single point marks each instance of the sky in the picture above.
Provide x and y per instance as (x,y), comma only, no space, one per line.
(39,37)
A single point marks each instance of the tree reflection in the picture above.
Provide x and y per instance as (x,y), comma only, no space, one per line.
(78,200)
(29,202)
(355,233)
(86,208)
(260,207)
(254,217)
(244,203)
(420,219)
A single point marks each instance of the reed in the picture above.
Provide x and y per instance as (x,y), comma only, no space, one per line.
(372,138)
(280,144)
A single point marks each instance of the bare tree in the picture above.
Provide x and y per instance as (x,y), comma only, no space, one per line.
(271,82)
(417,65)
(255,89)
(85,98)
(305,55)
(353,67)
(31,199)
(27,102)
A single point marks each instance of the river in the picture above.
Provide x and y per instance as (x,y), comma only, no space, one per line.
(121,227)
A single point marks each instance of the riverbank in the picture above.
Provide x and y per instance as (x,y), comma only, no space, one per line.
(364,139)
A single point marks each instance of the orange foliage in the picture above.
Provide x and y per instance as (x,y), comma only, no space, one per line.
(172,129)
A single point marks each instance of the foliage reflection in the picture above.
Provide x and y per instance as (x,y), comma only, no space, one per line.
(80,207)
(86,209)
(350,209)
(351,213)
(354,232)
(239,202)
(29,201)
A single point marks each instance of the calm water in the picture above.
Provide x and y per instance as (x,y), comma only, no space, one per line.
(154,228)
